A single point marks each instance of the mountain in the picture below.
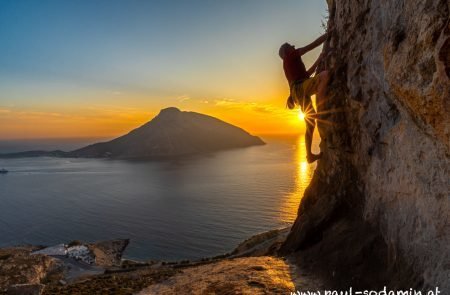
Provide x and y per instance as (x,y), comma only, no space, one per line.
(172,133)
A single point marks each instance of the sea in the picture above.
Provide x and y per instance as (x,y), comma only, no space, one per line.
(186,208)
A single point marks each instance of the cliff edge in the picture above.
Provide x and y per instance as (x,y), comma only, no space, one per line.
(379,202)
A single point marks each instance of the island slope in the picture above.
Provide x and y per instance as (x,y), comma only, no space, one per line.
(172,133)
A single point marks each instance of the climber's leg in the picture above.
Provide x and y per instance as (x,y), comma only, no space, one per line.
(318,86)
(310,157)
(310,123)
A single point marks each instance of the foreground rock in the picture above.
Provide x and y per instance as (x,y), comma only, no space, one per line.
(50,270)
(263,244)
(253,275)
(108,253)
(26,269)
(18,266)
(25,289)
(377,211)
(103,253)
(122,283)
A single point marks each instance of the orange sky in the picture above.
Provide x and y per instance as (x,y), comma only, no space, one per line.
(84,69)
(111,121)
(62,110)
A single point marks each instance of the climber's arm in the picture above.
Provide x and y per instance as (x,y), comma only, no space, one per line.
(314,44)
(313,68)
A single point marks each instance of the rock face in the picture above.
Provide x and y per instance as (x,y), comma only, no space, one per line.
(25,269)
(18,267)
(173,133)
(255,275)
(383,182)
(25,289)
(108,253)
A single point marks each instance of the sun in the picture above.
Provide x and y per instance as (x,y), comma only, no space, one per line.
(301,115)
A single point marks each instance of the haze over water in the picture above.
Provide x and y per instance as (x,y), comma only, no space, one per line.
(183,209)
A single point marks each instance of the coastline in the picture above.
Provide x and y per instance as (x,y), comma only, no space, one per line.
(48,272)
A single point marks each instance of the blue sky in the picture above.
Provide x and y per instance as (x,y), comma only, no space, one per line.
(58,55)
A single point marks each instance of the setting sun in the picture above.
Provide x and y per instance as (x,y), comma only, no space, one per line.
(301,115)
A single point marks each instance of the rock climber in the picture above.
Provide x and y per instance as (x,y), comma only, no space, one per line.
(302,86)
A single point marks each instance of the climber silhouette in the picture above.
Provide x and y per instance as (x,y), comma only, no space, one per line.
(302,86)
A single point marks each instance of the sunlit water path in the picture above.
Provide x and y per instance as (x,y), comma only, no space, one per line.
(185,209)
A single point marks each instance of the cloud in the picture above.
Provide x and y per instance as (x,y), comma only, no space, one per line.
(5,111)
(183,98)
(37,114)
(93,112)
(250,106)
(227,103)
(263,109)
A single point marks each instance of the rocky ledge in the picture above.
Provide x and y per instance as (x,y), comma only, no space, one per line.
(27,269)
(98,268)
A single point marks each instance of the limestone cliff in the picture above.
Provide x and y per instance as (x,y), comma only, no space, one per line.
(379,198)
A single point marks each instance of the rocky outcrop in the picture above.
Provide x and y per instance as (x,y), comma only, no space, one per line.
(103,253)
(19,270)
(25,289)
(231,273)
(108,253)
(382,183)
(254,275)
(26,269)
(263,244)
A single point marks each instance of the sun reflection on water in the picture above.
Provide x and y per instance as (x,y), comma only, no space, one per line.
(302,177)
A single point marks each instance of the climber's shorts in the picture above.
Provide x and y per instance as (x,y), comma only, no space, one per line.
(301,92)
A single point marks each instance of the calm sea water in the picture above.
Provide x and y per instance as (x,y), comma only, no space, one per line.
(184,209)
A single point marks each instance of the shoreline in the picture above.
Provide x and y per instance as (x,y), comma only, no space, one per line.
(54,268)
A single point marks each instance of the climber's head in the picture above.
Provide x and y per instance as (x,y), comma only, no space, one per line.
(285,49)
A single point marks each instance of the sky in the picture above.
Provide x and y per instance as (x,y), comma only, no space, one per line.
(101,68)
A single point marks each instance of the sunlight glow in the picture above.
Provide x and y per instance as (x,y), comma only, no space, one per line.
(303,175)
(301,115)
